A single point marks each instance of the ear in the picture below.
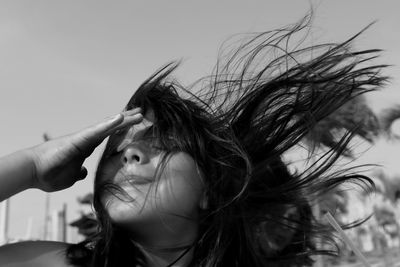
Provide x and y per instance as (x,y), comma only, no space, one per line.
(203,202)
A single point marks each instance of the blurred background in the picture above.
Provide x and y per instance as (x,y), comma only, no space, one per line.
(68,64)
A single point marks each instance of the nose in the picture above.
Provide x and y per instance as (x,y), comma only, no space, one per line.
(134,155)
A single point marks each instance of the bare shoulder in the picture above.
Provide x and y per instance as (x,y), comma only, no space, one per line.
(34,253)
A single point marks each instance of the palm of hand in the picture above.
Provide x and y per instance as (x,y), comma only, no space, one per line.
(58,164)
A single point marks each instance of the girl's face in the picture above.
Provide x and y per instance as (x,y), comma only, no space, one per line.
(156,193)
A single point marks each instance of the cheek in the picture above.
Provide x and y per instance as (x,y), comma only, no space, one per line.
(122,209)
(181,186)
(107,169)
(177,192)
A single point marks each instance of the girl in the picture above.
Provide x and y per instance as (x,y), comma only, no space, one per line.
(197,179)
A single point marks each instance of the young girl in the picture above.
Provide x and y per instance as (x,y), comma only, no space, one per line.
(196,177)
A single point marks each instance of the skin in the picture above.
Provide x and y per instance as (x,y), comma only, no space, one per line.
(34,253)
(52,166)
(163,213)
(163,210)
(57,164)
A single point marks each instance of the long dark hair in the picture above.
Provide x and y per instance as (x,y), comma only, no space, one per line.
(262,99)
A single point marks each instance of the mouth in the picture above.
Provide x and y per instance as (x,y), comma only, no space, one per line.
(133,180)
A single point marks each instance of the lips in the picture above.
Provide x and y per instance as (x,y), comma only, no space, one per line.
(133,180)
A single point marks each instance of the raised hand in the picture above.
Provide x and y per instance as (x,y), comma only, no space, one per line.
(57,164)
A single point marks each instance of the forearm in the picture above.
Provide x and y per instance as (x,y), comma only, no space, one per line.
(16,173)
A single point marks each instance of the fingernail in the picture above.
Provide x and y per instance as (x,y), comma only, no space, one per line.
(134,110)
(139,116)
(116,117)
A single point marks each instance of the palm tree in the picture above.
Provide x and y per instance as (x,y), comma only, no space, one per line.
(355,116)
(388,120)
(87,224)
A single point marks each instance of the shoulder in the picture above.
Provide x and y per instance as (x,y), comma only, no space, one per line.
(34,253)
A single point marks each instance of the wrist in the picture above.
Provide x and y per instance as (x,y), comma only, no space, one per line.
(29,158)
(17,173)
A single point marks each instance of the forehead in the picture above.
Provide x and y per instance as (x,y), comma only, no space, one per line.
(139,129)
(118,141)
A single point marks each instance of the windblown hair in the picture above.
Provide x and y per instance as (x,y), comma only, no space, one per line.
(262,99)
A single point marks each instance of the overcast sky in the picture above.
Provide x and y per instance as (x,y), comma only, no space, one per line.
(67,64)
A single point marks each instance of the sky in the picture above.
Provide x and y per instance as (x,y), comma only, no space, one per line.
(65,65)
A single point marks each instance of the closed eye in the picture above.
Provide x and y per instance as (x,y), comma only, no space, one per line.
(112,153)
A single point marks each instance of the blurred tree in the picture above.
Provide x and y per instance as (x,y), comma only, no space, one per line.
(335,201)
(389,120)
(386,218)
(87,224)
(355,116)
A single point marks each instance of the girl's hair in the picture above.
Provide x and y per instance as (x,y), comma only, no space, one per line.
(263,98)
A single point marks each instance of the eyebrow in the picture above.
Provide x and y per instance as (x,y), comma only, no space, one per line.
(144,132)
(131,137)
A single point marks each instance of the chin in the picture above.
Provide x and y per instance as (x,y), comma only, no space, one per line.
(126,212)
(119,208)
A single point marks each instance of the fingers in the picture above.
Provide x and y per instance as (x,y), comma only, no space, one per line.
(130,118)
(90,137)
(120,121)
(107,127)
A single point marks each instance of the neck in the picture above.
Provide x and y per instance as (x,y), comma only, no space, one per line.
(171,257)
(167,244)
